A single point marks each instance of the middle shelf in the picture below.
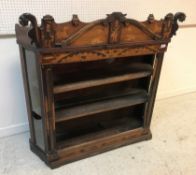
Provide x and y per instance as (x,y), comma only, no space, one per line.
(134,97)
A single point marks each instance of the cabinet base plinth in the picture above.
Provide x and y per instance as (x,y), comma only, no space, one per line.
(78,152)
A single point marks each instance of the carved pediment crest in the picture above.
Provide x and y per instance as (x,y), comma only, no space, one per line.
(111,28)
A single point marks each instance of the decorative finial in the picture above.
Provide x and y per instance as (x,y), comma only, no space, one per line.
(75,20)
(151,18)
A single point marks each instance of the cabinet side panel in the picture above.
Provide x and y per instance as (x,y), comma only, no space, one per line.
(153,89)
(27,93)
(35,98)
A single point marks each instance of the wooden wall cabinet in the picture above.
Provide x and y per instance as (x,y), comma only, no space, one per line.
(90,87)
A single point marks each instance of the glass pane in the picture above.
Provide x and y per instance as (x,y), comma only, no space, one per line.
(35,96)
(33,81)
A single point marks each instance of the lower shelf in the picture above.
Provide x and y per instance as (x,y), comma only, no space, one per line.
(98,130)
(77,152)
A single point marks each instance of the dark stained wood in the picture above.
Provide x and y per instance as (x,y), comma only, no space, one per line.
(153,89)
(100,145)
(90,87)
(120,125)
(97,82)
(50,108)
(103,145)
(100,106)
(33,31)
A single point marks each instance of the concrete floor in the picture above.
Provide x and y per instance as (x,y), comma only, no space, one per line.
(172,150)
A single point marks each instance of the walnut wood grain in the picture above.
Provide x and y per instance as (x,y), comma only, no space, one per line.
(101,54)
(92,99)
(100,106)
(120,125)
(98,82)
(104,31)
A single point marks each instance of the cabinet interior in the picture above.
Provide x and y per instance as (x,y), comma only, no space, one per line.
(100,98)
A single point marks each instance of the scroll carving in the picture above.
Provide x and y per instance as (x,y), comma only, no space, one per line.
(177,17)
(34,32)
(171,22)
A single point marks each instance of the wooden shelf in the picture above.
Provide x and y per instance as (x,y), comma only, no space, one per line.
(134,71)
(107,129)
(101,106)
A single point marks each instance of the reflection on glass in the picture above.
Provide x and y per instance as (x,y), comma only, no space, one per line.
(34,96)
(33,81)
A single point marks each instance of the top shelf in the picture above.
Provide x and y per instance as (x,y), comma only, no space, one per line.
(135,71)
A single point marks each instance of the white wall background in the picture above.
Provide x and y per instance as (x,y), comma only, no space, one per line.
(90,9)
(178,73)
